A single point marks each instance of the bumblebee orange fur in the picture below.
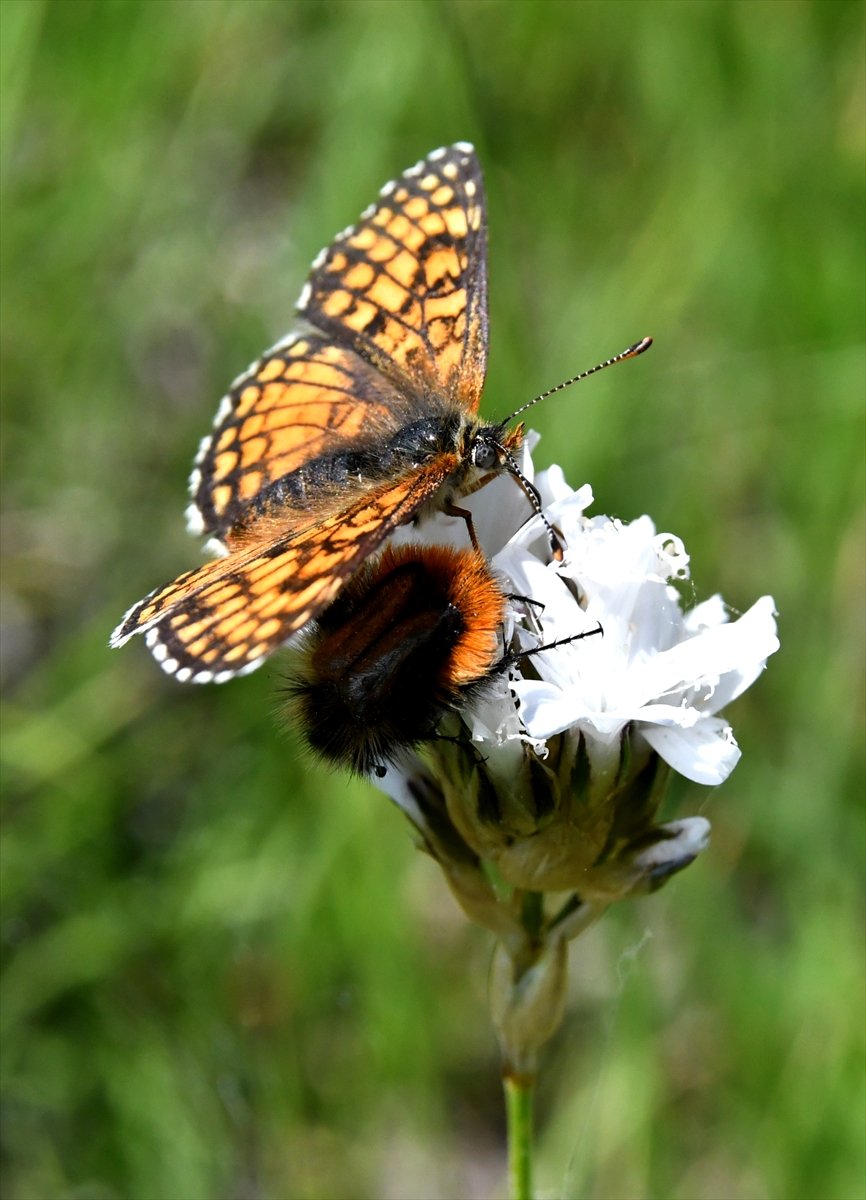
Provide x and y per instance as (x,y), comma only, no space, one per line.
(466,581)
(412,636)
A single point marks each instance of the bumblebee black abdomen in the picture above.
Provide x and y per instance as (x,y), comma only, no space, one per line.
(405,642)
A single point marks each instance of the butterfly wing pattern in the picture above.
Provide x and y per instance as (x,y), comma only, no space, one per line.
(306,400)
(343,430)
(407,285)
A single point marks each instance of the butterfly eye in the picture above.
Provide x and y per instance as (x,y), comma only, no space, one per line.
(484,455)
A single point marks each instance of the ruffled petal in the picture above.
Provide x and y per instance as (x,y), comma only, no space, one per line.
(706,753)
(541,708)
(753,638)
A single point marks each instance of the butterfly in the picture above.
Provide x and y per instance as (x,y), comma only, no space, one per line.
(363,420)
(416,633)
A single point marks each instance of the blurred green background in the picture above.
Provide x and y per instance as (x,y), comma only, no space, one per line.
(227,972)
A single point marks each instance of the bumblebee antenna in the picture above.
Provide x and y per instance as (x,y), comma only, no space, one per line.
(516,655)
(631,352)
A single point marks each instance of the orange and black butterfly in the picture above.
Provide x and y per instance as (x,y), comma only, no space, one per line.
(415,634)
(341,432)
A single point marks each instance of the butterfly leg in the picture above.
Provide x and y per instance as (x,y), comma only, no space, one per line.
(452,510)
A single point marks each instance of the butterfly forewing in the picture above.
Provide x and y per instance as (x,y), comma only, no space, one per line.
(305,400)
(407,285)
(400,301)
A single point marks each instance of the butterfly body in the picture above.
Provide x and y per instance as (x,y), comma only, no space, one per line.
(360,422)
(456,440)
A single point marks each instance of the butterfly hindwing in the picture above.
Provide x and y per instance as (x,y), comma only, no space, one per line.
(227,616)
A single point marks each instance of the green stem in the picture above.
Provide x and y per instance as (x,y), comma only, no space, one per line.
(519,1092)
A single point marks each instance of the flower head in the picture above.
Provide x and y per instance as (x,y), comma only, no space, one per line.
(556,773)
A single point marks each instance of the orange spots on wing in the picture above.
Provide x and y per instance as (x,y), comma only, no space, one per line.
(432,224)
(250,485)
(416,207)
(403,267)
(362,239)
(337,303)
(359,277)
(225,464)
(252,451)
(382,250)
(361,315)
(252,425)
(442,195)
(387,294)
(272,369)
(439,333)
(398,227)
(455,219)
(452,304)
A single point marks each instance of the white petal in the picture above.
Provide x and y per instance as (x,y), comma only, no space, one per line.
(706,615)
(497,510)
(672,556)
(753,638)
(396,784)
(528,576)
(553,487)
(679,716)
(712,668)
(542,709)
(707,753)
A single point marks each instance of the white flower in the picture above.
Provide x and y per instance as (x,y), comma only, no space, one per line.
(575,741)
(664,671)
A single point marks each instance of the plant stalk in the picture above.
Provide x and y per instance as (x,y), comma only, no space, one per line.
(519,1095)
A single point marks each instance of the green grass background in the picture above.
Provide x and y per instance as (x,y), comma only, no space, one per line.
(227,972)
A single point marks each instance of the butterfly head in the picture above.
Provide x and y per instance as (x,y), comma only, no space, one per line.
(494,449)
(494,446)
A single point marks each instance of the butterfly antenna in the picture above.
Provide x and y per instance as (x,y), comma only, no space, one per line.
(535,500)
(631,352)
